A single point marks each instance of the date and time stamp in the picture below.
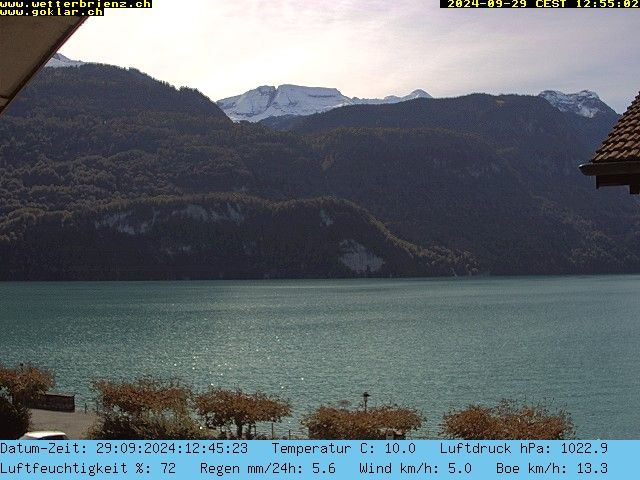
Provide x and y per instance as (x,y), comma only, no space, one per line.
(320,460)
(582,4)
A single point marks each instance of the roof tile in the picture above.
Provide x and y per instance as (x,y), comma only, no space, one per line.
(623,143)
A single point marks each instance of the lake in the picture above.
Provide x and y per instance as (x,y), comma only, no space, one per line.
(432,344)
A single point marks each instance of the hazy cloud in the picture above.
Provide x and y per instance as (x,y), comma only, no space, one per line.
(370,47)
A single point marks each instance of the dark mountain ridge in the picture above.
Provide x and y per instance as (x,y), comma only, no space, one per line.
(493,178)
(218,236)
(107,91)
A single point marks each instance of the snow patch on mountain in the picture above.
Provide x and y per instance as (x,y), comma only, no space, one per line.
(268,101)
(392,98)
(58,61)
(585,103)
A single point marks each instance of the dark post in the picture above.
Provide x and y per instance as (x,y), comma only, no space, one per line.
(365,397)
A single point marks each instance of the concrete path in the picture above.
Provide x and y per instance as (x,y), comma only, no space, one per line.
(75,425)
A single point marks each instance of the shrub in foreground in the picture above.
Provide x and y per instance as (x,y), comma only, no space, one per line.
(142,396)
(221,408)
(22,384)
(149,426)
(14,420)
(508,421)
(329,423)
(147,409)
(18,387)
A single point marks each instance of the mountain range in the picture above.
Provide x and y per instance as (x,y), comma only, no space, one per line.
(268,102)
(287,100)
(106,173)
(585,103)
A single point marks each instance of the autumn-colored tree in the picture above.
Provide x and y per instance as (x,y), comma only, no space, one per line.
(18,386)
(24,383)
(329,423)
(147,409)
(508,421)
(142,396)
(220,407)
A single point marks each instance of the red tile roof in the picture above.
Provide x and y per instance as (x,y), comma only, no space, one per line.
(623,143)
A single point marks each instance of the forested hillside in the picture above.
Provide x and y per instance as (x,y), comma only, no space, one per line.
(218,236)
(477,184)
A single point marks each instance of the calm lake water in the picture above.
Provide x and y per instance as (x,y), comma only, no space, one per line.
(430,344)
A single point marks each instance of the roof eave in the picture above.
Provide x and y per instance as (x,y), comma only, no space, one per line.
(624,167)
(27,43)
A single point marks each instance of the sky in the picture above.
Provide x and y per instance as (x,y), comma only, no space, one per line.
(370,48)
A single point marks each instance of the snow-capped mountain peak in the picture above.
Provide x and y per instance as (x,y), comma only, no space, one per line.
(58,60)
(267,101)
(413,95)
(419,93)
(585,103)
